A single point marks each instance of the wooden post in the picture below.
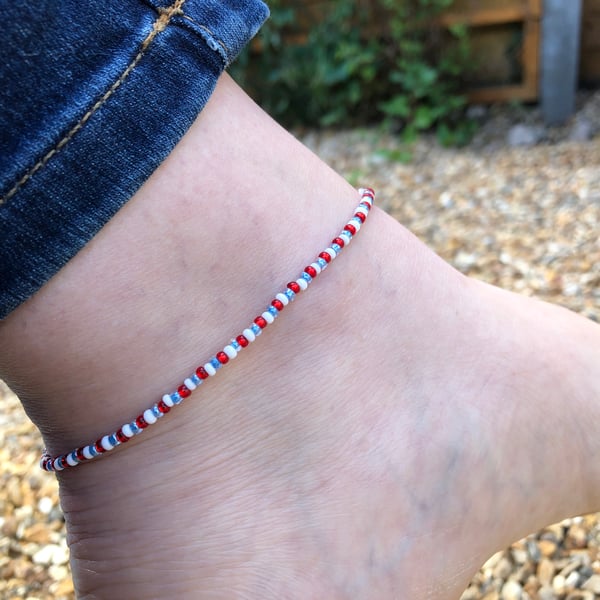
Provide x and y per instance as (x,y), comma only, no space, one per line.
(561,35)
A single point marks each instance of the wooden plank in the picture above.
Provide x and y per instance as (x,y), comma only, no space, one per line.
(531,57)
(502,93)
(535,8)
(482,16)
(590,43)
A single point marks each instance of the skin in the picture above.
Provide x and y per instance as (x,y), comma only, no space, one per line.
(396,426)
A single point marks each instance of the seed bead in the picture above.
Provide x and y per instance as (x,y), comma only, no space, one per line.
(151,415)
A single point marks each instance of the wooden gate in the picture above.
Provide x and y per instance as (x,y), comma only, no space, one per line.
(505,35)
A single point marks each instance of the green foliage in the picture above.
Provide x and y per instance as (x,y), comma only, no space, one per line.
(357,61)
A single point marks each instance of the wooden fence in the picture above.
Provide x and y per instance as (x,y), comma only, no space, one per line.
(506,40)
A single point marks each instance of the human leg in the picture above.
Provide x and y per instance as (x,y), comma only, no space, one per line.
(346,446)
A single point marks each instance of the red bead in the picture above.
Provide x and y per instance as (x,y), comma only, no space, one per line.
(222,358)
(79,454)
(141,422)
(360,216)
(292,285)
(350,228)
(311,271)
(277,304)
(183,391)
(339,241)
(99,447)
(164,409)
(242,341)
(369,192)
(260,322)
(121,436)
(325,256)
(201,372)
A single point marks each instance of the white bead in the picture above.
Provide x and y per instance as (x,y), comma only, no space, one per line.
(71,461)
(363,211)
(230,351)
(331,252)
(167,400)
(302,283)
(149,416)
(356,222)
(249,335)
(105,443)
(210,369)
(56,466)
(316,267)
(268,317)
(190,385)
(87,453)
(345,237)
(283,299)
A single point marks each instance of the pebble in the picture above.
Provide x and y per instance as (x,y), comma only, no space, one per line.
(524,135)
(583,130)
(503,569)
(592,584)
(546,593)
(559,584)
(45,505)
(545,571)
(547,548)
(512,590)
(51,554)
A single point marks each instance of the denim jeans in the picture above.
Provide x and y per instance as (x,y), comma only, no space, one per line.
(93,97)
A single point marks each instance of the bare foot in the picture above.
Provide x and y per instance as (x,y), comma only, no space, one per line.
(340,455)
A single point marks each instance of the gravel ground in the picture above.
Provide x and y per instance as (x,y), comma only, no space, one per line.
(527,219)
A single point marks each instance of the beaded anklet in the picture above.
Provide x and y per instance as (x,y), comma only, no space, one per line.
(230,351)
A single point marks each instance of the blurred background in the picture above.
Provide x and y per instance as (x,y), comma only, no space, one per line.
(478,124)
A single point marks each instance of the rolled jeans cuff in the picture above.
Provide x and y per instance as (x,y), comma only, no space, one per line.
(94,95)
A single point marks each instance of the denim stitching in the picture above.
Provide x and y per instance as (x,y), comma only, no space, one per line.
(165,16)
(212,37)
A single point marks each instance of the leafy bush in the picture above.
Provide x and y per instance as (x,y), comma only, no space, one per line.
(350,62)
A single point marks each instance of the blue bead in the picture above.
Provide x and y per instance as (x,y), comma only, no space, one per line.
(176,398)
(73,456)
(214,361)
(273,311)
(195,379)
(93,450)
(156,412)
(59,461)
(235,345)
(306,277)
(134,428)
(322,263)
(256,329)
(357,221)
(290,294)
(113,440)
(337,248)
(365,205)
